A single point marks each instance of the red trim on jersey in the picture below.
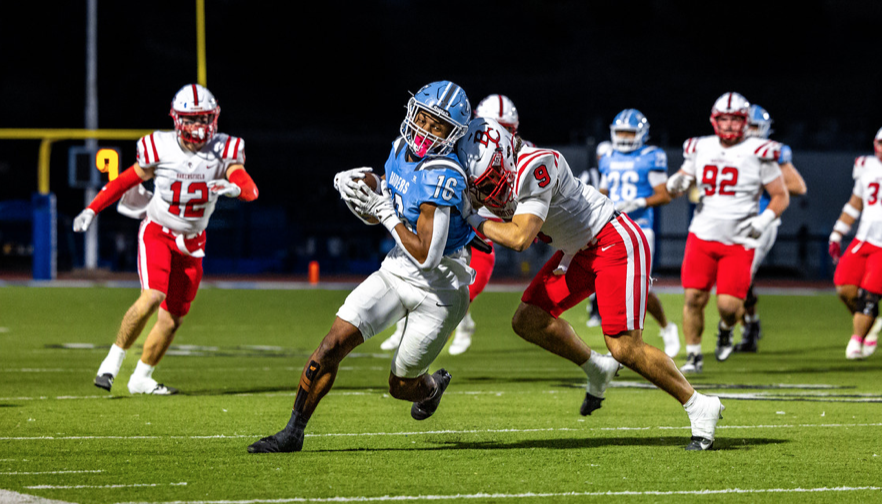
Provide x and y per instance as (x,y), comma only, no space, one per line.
(195,96)
(153,144)
(526,159)
(115,189)
(226,147)
(765,144)
(243,180)
(144,148)
(236,148)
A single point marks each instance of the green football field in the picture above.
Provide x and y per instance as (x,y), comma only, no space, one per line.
(802,423)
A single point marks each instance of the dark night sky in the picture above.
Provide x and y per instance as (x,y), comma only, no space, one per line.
(316,88)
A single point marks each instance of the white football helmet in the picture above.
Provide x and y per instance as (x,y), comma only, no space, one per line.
(501,108)
(195,111)
(487,153)
(730,104)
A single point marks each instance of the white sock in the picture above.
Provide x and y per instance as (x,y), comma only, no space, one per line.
(113,361)
(696,349)
(690,404)
(594,370)
(751,318)
(143,371)
(724,326)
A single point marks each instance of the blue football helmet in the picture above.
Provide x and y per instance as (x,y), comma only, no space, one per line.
(629,120)
(445,101)
(759,122)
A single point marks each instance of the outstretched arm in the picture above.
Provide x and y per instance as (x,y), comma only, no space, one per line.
(111,192)
(517,235)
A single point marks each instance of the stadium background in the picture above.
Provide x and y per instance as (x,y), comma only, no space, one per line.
(314,90)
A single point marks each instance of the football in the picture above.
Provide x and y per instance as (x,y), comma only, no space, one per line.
(373,181)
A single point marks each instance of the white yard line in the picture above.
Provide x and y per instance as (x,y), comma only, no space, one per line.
(399,498)
(48,472)
(437,432)
(10,497)
(78,487)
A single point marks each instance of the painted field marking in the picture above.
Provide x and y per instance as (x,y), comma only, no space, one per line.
(77,487)
(49,472)
(427,433)
(387,498)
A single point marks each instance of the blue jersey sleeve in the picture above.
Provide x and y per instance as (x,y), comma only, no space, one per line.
(603,164)
(786,155)
(660,161)
(443,183)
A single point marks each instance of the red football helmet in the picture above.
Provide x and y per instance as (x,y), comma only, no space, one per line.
(195,111)
(732,104)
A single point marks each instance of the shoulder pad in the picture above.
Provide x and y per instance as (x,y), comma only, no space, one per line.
(648,149)
(398,145)
(148,153)
(690,145)
(768,150)
(233,147)
(441,163)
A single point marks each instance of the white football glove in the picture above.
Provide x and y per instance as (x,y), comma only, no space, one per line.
(679,182)
(376,205)
(630,206)
(225,188)
(755,226)
(83,220)
(345,184)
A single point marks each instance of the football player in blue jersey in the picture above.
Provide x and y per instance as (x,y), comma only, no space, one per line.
(759,124)
(633,175)
(424,278)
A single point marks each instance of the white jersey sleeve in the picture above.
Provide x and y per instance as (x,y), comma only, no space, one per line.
(689,153)
(148,153)
(573,212)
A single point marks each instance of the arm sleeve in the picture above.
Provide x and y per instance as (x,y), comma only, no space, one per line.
(440,227)
(115,189)
(243,180)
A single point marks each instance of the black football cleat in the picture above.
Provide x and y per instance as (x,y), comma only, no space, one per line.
(724,344)
(590,404)
(104,381)
(284,441)
(424,409)
(697,443)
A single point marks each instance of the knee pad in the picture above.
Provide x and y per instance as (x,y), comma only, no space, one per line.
(868,303)
(751,299)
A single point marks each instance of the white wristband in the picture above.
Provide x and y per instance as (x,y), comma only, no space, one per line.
(835,236)
(851,211)
(841,228)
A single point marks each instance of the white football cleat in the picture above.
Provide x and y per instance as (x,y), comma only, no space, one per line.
(671,337)
(869,347)
(854,350)
(463,338)
(393,341)
(150,387)
(704,415)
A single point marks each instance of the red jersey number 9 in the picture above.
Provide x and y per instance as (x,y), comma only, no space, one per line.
(541,174)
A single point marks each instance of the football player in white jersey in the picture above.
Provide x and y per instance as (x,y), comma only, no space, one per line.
(501,108)
(858,276)
(599,249)
(730,171)
(633,176)
(759,125)
(424,278)
(191,167)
